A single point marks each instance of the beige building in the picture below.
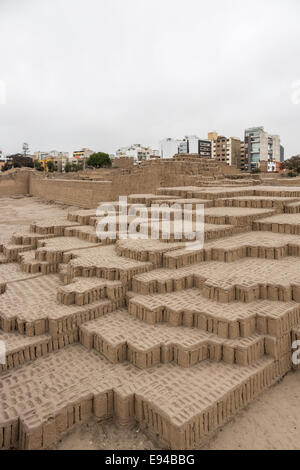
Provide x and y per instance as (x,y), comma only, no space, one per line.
(228,150)
(60,159)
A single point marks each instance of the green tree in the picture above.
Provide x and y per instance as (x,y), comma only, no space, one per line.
(50,166)
(74,166)
(68,167)
(99,160)
(293,164)
(79,166)
(38,166)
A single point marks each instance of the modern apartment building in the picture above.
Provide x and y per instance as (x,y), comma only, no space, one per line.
(52,154)
(189,144)
(260,147)
(138,152)
(170,147)
(242,155)
(60,159)
(228,150)
(82,154)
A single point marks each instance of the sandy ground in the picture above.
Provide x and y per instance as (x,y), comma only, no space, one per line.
(271,422)
(18,212)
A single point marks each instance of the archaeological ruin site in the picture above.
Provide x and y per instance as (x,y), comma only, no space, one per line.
(144,331)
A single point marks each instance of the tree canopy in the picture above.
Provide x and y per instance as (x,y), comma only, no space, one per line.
(292,164)
(50,165)
(99,160)
(38,166)
(17,161)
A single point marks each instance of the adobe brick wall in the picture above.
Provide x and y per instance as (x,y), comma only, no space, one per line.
(14,183)
(108,184)
(76,192)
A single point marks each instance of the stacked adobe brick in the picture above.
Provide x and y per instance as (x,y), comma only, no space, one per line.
(178,340)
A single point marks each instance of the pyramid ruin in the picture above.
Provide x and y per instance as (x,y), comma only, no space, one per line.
(145,330)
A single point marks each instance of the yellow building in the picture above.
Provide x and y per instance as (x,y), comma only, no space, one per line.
(82,154)
(44,162)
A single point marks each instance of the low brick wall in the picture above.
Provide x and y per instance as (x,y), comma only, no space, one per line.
(77,192)
(14,183)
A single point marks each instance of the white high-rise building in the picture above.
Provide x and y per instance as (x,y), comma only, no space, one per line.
(170,147)
(138,152)
(189,144)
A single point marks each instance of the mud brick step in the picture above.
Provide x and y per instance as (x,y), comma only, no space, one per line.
(212,215)
(258,202)
(52,250)
(28,238)
(234,215)
(145,250)
(226,192)
(146,199)
(104,262)
(11,252)
(120,337)
(87,290)
(180,405)
(85,232)
(244,280)
(183,202)
(233,320)
(188,430)
(263,245)
(293,208)
(21,349)
(84,216)
(283,223)
(117,219)
(58,321)
(30,307)
(278,191)
(246,291)
(196,192)
(174,232)
(55,226)
(81,216)
(29,264)
(185,192)
(11,272)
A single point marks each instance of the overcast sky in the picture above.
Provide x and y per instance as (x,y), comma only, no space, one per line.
(107,73)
